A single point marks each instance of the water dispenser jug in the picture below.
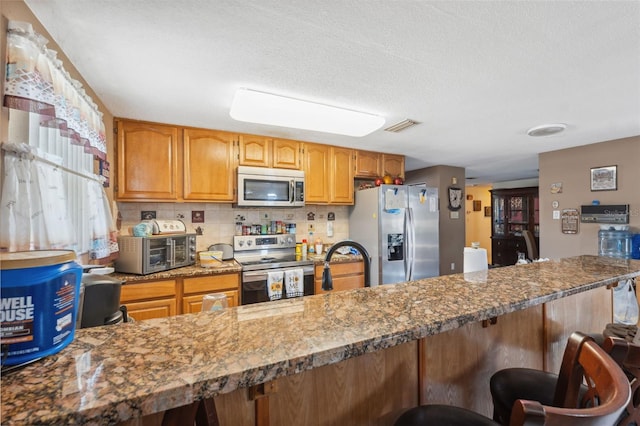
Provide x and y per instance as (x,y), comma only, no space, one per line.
(614,243)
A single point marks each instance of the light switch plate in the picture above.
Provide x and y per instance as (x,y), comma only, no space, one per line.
(556,214)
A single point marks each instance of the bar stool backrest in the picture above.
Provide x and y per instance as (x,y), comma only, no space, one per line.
(608,392)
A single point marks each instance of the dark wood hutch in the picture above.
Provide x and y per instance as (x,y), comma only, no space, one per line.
(513,210)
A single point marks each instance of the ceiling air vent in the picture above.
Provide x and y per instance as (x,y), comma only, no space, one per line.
(398,127)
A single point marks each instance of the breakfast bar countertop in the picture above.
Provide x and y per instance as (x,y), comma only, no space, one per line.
(115,373)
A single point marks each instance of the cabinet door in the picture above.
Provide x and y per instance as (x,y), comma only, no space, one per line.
(159,308)
(345,276)
(286,154)
(193,304)
(254,151)
(516,340)
(393,165)
(341,176)
(209,165)
(154,299)
(147,162)
(368,164)
(195,288)
(316,167)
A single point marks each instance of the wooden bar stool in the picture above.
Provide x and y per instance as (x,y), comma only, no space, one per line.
(576,389)
(606,395)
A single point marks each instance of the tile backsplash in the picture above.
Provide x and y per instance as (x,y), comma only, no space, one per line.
(219,221)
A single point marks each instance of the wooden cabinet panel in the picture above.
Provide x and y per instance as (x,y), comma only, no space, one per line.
(286,154)
(155,299)
(147,162)
(195,288)
(341,183)
(316,167)
(193,304)
(211,283)
(371,389)
(588,312)
(148,290)
(209,165)
(158,308)
(345,276)
(393,165)
(368,164)
(456,365)
(254,151)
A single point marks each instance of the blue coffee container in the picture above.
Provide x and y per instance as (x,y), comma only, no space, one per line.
(39,303)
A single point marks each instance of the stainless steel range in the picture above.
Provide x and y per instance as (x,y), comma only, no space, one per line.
(261,254)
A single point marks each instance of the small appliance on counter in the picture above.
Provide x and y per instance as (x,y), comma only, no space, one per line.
(169,247)
(100,301)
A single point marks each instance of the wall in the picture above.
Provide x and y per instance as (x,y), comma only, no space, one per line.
(478,225)
(452,228)
(571,168)
(219,220)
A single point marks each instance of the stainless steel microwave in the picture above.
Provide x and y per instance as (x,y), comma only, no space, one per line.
(261,186)
(157,253)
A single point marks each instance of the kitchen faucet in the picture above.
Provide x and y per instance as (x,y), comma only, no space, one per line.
(327,282)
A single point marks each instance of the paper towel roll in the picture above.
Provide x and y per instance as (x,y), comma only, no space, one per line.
(475,259)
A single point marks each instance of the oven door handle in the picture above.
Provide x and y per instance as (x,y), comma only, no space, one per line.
(252,276)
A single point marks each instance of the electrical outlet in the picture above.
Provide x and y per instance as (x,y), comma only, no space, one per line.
(329,229)
(453,266)
(265,216)
(310,228)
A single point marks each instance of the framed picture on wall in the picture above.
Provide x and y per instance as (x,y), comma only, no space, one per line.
(604,178)
(487,211)
(477,205)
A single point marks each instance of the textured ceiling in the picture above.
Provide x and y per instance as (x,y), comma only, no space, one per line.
(475,74)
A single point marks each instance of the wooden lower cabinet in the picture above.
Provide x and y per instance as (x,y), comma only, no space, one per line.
(345,276)
(154,299)
(158,299)
(195,288)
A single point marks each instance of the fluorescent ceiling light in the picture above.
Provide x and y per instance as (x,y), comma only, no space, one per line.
(264,108)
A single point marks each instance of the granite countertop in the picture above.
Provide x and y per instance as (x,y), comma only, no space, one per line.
(114,373)
(226,267)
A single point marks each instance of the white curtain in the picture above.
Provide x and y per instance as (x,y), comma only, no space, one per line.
(37,82)
(49,198)
(34,204)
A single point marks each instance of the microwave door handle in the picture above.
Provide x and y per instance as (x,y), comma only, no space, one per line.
(292,191)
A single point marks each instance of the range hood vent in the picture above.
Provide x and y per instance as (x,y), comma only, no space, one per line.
(398,127)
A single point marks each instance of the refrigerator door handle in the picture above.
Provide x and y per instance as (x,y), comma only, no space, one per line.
(410,248)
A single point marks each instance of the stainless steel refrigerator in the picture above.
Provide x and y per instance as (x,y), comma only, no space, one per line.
(398,225)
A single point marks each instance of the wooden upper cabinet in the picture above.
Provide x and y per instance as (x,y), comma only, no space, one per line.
(254,151)
(316,171)
(209,165)
(147,162)
(286,154)
(341,175)
(393,165)
(264,152)
(368,164)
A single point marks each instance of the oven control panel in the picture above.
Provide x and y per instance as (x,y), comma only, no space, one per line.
(259,242)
